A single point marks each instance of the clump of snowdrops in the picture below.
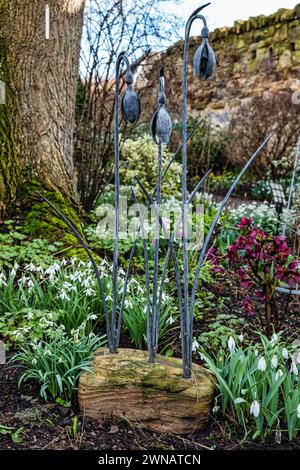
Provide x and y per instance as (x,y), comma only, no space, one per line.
(259,386)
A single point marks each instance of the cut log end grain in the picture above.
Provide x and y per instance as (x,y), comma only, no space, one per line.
(155,396)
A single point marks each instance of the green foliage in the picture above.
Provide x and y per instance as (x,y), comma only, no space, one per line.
(56,364)
(219,331)
(206,147)
(220,183)
(259,385)
(16,248)
(264,216)
(14,434)
(135,320)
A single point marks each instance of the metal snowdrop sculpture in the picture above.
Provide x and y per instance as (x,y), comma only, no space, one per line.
(204,67)
(161,130)
(130,108)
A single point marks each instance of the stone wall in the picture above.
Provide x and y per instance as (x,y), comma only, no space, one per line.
(261,55)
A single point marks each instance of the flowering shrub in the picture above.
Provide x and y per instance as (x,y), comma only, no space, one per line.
(262,263)
(259,385)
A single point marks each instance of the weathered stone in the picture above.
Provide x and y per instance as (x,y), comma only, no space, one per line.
(153,395)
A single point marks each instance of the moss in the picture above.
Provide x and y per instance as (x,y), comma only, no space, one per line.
(38,220)
(154,382)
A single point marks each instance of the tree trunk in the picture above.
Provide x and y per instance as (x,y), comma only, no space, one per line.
(38,120)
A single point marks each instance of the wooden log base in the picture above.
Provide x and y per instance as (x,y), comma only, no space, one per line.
(155,396)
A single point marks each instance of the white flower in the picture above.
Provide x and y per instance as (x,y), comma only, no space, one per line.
(256,353)
(255,408)
(274,338)
(294,368)
(231,344)
(92,317)
(2,280)
(170,320)
(274,362)
(89,292)
(29,316)
(279,374)
(262,364)
(63,295)
(195,345)
(285,353)
(298,358)
(298,411)
(241,338)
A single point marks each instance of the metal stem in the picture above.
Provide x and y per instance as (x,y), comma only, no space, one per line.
(156,251)
(121,58)
(185,328)
(288,207)
(91,258)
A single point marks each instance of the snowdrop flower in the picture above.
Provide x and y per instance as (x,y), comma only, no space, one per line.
(279,374)
(63,295)
(298,358)
(30,284)
(195,345)
(170,320)
(285,353)
(241,338)
(89,292)
(274,362)
(13,272)
(256,353)
(30,267)
(231,344)
(274,338)
(298,411)
(294,368)
(255,409)
(19,336)
(29,316)
(92,317)
(262,364)
(2,280)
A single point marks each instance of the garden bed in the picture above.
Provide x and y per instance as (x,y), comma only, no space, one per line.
(49,426)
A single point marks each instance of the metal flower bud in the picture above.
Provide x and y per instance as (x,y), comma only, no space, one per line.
(204,59)
(161,124)
(130,102)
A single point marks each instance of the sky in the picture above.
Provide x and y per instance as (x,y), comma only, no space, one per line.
(225,12)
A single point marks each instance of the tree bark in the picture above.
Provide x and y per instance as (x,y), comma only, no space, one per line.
(38,120)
